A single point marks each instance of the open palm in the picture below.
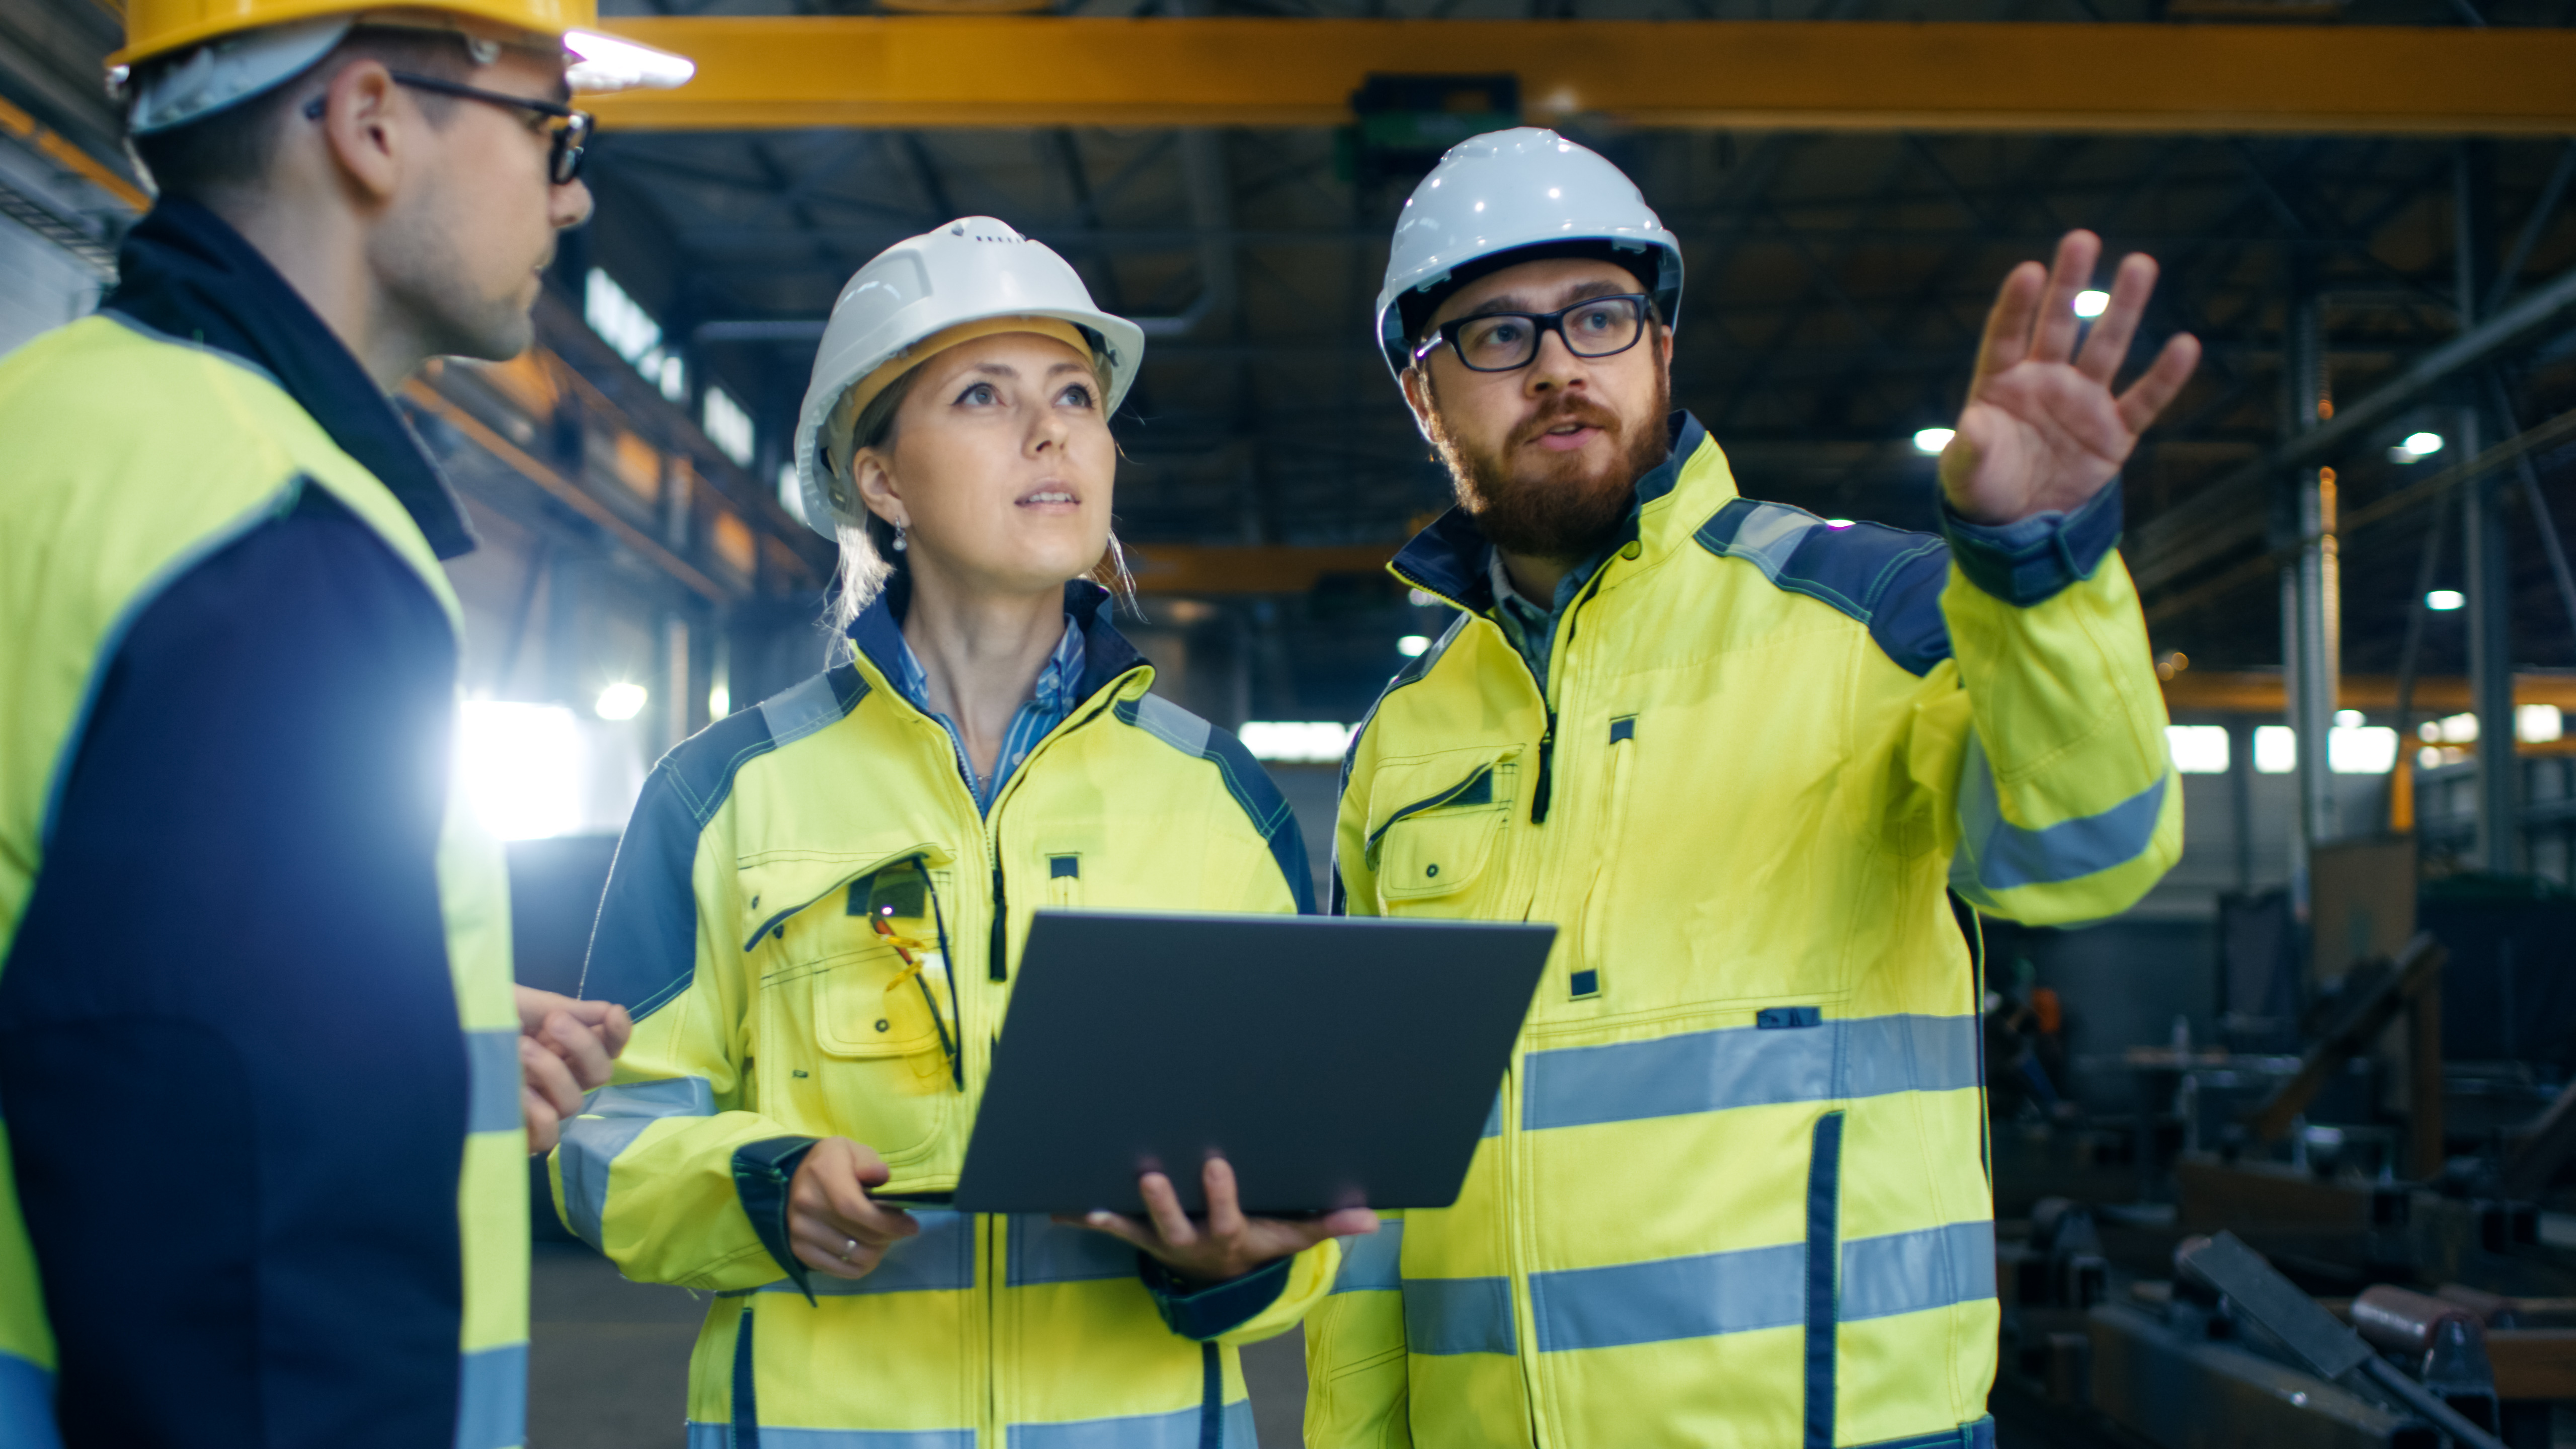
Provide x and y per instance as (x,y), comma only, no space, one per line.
(2042,429)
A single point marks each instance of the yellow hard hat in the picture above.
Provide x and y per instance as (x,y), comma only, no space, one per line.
(156,28)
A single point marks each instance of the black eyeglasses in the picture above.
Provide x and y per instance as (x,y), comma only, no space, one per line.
(569,135)
(1503,341)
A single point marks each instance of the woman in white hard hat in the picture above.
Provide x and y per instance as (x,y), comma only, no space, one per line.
(812,913)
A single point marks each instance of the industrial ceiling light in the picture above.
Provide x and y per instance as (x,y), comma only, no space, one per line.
(2089,303)
(621,701)
(1412,645)
(1932,440)
(607,63)
(2444,600)
(2417,446)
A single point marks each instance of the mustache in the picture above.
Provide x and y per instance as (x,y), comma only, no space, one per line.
(1566,407)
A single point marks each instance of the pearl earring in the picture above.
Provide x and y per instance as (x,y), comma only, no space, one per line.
(900,543)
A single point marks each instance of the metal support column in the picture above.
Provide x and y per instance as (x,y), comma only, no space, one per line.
(2490,556)
(2312,595)
(676,680)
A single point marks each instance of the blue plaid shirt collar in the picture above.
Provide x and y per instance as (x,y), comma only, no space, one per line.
(1059,689)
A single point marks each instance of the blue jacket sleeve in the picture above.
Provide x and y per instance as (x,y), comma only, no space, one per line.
(229,1048)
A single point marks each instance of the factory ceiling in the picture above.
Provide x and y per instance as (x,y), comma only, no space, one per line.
(1839,265)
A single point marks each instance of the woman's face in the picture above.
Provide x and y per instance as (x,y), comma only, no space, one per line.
(1000,466)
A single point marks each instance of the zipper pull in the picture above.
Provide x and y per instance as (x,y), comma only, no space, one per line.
(997,964)
(1546,754)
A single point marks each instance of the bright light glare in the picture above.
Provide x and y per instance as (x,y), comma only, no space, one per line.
(1933,440)
(719,700)
(610,64)
(2092,304)
(2198,749)
(1838,523)
(2442,601)
(621,701)
(519,766)
(2276,749)
(2349,719)
(2456,729)
(2422,444)
(2536,724)
(2368,750)
(1412,645)
(1296,741)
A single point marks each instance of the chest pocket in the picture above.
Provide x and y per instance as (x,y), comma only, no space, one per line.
(1433,828)
(853,968)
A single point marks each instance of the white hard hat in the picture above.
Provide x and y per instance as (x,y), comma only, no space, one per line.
(971,270)
(1514,191)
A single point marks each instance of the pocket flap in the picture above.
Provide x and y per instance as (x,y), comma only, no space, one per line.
(1432,823)
(777,885)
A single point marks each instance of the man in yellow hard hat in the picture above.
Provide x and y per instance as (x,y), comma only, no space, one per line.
(267,1093)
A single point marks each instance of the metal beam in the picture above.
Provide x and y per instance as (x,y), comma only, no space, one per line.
(2259,692)
(1006,70)
(2227,514)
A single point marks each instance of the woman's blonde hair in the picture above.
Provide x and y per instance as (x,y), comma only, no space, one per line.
(869,559)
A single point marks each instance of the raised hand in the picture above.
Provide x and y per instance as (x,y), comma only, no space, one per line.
(2042,429)
(1224,1244)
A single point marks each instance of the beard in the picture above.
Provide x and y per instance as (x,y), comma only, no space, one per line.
(1554,507)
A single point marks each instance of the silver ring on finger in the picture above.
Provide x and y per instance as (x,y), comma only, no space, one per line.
(848,1246)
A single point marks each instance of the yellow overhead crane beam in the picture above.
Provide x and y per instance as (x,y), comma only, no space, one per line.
(758,73)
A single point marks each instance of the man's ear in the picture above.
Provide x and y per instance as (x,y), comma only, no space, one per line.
(363,122)
(1417,396)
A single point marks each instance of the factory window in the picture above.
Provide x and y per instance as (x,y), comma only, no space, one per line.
(2276,749)
(2361,749)
(1295,741)
(2198,749)
(791,493)
(631,332)
(728,426)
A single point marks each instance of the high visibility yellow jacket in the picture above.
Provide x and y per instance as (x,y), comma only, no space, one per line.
(222,916)
(739,928)
(1734,1190)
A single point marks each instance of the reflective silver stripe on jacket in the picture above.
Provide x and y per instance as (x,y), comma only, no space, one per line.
(1713,1071)
(492,1397)
(492,1077)
(1702,1296)
(611,1120)
(1997,855)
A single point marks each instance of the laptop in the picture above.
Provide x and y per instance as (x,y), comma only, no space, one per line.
(1334,1062)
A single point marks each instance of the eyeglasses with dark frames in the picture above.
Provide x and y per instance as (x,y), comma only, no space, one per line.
(570,135)
(1506,341)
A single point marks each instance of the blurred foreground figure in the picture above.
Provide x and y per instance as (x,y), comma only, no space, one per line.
(1735,1192)
(261,1069)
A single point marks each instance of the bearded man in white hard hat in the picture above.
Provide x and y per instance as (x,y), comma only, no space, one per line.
(1734,1190)
(268,1094)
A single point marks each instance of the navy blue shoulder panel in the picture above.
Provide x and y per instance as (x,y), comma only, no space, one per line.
(1887,578)
(1251,785)
(644,949)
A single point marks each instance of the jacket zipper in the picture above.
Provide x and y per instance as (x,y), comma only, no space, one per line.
(1546,755)
(997,961)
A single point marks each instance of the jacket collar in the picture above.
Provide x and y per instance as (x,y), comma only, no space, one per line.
(876,635)
(1450,557)
(184,273)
